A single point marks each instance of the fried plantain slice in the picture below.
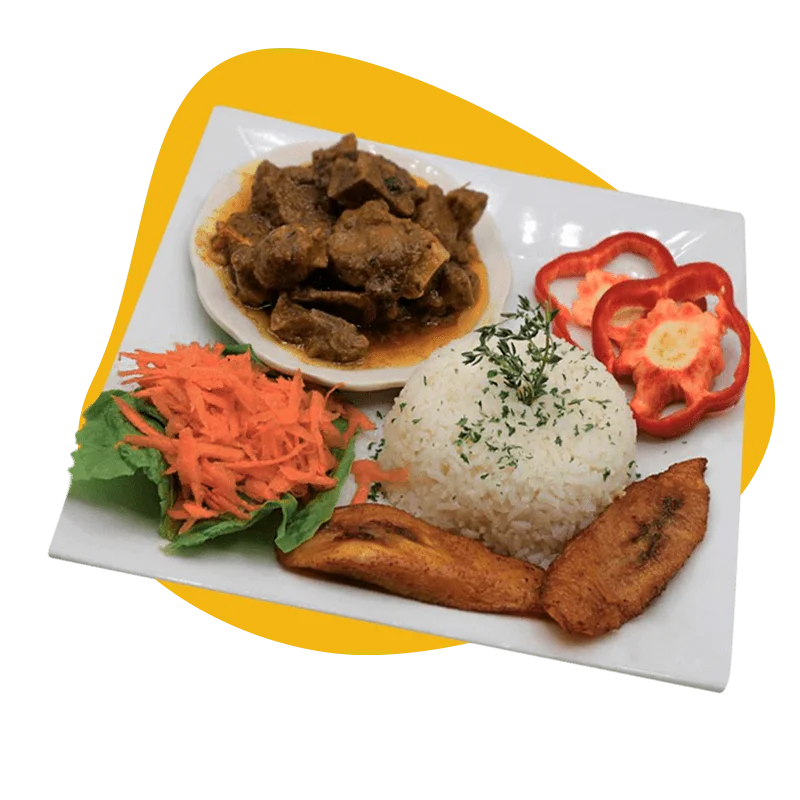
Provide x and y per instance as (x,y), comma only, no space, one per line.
(612,570)
(395,551)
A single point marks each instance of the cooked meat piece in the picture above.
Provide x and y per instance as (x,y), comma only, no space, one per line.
(284,258)
(356,307)
(467,207)
(301,175)
(286,197)
(389,548)
(451,218)
(434,214)
(249,288)
(458,287)
(431,303)
(453,288)
(241,228)
(387,256)
(612,570)
(321,335)
(322,160)
(354,182)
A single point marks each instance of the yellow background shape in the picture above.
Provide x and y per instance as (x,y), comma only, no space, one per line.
(375,104)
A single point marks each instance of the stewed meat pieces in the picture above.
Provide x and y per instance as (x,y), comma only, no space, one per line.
(434,214)
(387,256)
(467,206)
(281,260)
(356,307)
(452,288)
(346,244)
(289,196)
(240,229)
(323,160)
(250,291)
(458,287)
(451,217)
(322,335)
(288,255)
(355,181)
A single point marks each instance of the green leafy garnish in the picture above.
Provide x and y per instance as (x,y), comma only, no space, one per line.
(495,346)
(306,522)
(102,455)
(205,531)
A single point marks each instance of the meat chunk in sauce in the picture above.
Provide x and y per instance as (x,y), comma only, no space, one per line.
(285,257)
(350,242)
(452,289)
(451,218)
(249,288)
(242,229)
(467,207)
(434,214)
(322,160)
(354,182)
(322,335)
(459,287)
(290,197)
(303,175)
(356,307)
(386,256)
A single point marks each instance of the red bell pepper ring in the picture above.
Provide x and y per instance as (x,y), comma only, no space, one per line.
(578,264)
(674,352)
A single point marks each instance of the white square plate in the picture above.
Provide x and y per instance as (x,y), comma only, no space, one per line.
(685,636)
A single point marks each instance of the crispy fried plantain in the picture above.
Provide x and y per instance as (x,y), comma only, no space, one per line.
(615,567)
(391,549)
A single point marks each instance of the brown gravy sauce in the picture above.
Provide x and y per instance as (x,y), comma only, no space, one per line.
(395,349)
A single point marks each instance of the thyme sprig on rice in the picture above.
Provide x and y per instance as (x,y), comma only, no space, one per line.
(529,384)
(496,347)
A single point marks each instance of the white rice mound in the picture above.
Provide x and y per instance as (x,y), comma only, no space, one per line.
(567,470)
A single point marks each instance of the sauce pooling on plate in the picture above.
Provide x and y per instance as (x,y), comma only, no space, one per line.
(350,260)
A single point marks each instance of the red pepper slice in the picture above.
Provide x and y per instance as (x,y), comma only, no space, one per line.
(674,351)
(596,283)
(582,262)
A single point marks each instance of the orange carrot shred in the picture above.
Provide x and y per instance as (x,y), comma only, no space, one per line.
(367,472)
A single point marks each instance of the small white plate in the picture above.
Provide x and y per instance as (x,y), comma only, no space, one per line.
(221,307)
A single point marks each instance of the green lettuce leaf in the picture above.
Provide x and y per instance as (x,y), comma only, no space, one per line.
(100,456)
(318,511)
(205,531)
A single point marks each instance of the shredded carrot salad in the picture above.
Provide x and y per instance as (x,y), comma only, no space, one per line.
(235,438)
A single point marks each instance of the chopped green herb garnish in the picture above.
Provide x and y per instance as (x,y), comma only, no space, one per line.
(496,347)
